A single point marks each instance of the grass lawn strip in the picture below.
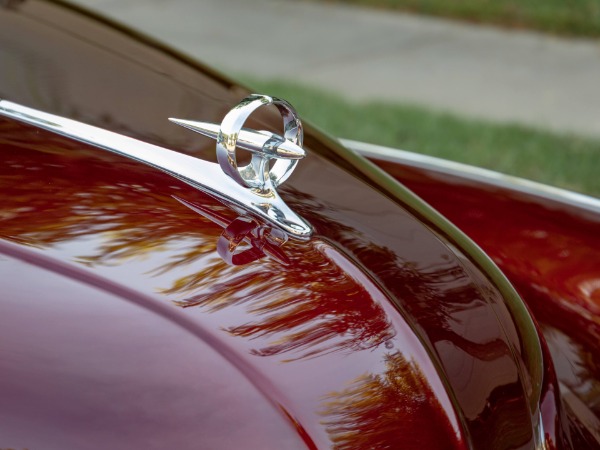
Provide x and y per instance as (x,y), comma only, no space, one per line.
(564,17)
(567,161)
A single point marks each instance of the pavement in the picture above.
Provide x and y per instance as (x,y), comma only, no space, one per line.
(363,54)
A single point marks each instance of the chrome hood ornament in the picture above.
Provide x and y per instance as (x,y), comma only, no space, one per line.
(264,145)
(248,190)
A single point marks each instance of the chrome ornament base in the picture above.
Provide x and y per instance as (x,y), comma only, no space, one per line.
(251,189)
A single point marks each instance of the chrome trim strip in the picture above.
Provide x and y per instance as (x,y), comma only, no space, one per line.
(474,173)
(203,175)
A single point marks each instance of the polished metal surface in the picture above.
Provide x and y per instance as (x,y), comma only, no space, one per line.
(262,202)
(286,150)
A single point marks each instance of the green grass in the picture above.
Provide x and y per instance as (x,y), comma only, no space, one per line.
(567,17)
(567,161)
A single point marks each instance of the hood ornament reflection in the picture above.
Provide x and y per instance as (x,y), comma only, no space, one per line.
(248,190)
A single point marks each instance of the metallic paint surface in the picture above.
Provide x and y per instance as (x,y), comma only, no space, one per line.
(386,329)
(551,253)
(315,336)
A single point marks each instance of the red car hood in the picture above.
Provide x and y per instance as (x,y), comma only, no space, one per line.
(125,329)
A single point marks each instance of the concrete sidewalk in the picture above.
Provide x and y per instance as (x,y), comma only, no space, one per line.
(507,76)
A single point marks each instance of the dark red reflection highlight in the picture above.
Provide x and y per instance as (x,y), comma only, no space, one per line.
(550,251)
(375,409)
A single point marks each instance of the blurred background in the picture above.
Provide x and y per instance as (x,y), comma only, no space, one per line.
(510,85)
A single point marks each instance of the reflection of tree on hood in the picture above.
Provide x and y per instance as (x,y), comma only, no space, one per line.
(387,411)
(311,307)
(57,190)
(55,195)
(312,302)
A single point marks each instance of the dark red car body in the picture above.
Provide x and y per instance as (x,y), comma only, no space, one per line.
(121,327)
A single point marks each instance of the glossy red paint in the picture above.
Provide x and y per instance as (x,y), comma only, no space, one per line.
(550,251)
(87,363)
(387,329)
(318,338)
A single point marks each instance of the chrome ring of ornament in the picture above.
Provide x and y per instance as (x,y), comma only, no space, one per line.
(258,174)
